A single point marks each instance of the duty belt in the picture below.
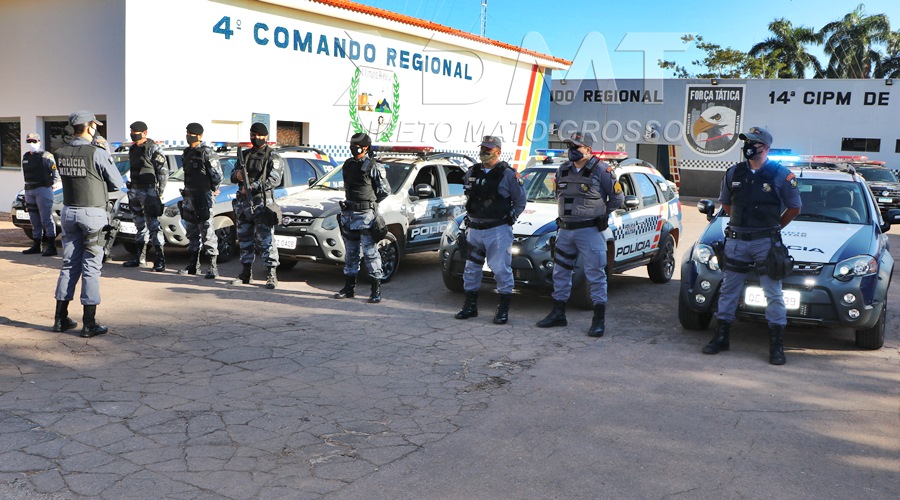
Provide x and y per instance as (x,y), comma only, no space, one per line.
(35,185)
(749,235)
(142,186)
(486,224)
(575,225)
(358,205)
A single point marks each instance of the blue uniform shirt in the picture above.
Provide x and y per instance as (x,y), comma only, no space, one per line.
(785,185)
(509,187)
(105,166)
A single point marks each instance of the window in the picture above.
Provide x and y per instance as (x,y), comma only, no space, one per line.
(301,171)
(861,145)
(897,147)
(649,196)
(10,144)
(455,180)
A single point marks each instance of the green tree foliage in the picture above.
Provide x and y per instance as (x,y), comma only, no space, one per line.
(788,45)
(849,43)
(724,62)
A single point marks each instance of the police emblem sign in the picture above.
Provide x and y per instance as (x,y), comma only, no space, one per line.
(713,118)
(374,102)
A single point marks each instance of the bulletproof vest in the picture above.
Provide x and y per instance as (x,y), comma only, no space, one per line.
(34,169)
(255,161)
(483,191)
(196,175)
(754,199)
(142,170)
(83,186)
(578,198)
(357,183)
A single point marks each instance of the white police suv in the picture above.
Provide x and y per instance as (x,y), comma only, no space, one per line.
(842,263)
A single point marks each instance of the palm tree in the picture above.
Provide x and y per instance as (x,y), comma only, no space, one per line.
(849,43)
(889,65)
(788,47)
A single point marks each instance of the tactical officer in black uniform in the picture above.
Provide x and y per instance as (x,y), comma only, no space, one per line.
(39,169)
(256,221)
(149,174)
(202,176)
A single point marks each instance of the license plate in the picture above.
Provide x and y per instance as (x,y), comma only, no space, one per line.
(127,227)
(288,242)
(22,215)
(754,296)
(885,200)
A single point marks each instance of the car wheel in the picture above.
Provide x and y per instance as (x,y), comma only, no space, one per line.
(28,233)
(452,283)
(662,267)
(873,338)
(691,319)
(286,265)
(130,246)
(390,257)
(227,236)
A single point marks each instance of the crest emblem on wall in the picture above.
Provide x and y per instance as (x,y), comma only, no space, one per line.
(375,102)
(713,118)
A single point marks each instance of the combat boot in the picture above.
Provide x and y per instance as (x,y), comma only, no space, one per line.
(502,315)
(61,321)
(776,345)
(719,342)
(49,247)
(272,279)
(246,274)
(598,323)
(470,307)
(159,265)
(91,328)
(34,248)
(138,259)
(349,290)
(212,271)
(557,316)
(193,264)
(375,297)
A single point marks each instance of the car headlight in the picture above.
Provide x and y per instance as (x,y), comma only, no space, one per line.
(171,210)
(545,241)
(704,254)
(451,232)
(330,223)
(861,265)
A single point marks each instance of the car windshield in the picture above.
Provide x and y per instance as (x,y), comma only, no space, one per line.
(396,175)
(123,164)
(540,184)
(226,162)
(877,174)
(832,201)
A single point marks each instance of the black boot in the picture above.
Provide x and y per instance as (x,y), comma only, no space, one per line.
(61,321)
(598,323)
(138,259)
(502,315)
(776,345)
(272,279)
(193,263)
(91,328)
(719,342)
(246,274)
(349,289)
(212,271)
(49,247)
(557,316)
(375,296)
(159,265)
(35,247)
(470,307)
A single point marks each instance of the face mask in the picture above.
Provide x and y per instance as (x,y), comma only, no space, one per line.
(258,142)
(92,131)
(486,157)
(575,155)
(135,137)
(191,138)
(35,146)
(749,151)
(355,150)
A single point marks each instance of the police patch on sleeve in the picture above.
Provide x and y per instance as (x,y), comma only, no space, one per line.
(617,188)
(792,180)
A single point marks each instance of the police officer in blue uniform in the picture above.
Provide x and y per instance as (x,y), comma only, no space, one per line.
(39,169)
(761,197)
(496,198)
(88,173)
(202,176)
(586,193)
(256,222)
(149,173)
(365,184)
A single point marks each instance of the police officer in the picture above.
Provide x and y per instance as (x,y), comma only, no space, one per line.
(256,222)
(586,193)
(87,172)
(202,176)
(39,169)
(496,198)
(149,173)
(365,184)
(753,194)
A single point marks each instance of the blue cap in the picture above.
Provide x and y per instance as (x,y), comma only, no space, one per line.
(82,117)
(491,141)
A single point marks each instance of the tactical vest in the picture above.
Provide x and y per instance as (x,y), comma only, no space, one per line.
(83,186)
(357,183)
(36,173)
(754,199)
(483,191)
(142,169)
(196,175)
(578,198)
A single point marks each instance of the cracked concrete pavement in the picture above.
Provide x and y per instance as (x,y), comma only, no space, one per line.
(209,390)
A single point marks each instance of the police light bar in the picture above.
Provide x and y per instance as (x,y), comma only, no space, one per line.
(781,158)
(402,149)
(610,155)
(834,158)
(550,152)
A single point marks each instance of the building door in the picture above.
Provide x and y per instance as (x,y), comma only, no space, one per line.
(656,154)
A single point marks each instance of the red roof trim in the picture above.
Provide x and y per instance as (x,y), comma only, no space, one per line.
(421,23)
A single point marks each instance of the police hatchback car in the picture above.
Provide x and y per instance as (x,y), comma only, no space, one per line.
(842,263)
(644,232)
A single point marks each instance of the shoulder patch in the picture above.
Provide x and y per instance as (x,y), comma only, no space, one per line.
(617,188)
(792,180)
(609,169)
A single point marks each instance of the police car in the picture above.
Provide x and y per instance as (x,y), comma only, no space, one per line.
(883,183)
(426,194)
(642,233)
(842,263)
(303,166)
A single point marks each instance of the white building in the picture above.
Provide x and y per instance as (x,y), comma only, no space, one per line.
(315,71)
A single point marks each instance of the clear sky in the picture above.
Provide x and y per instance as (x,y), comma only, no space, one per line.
(563,25)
